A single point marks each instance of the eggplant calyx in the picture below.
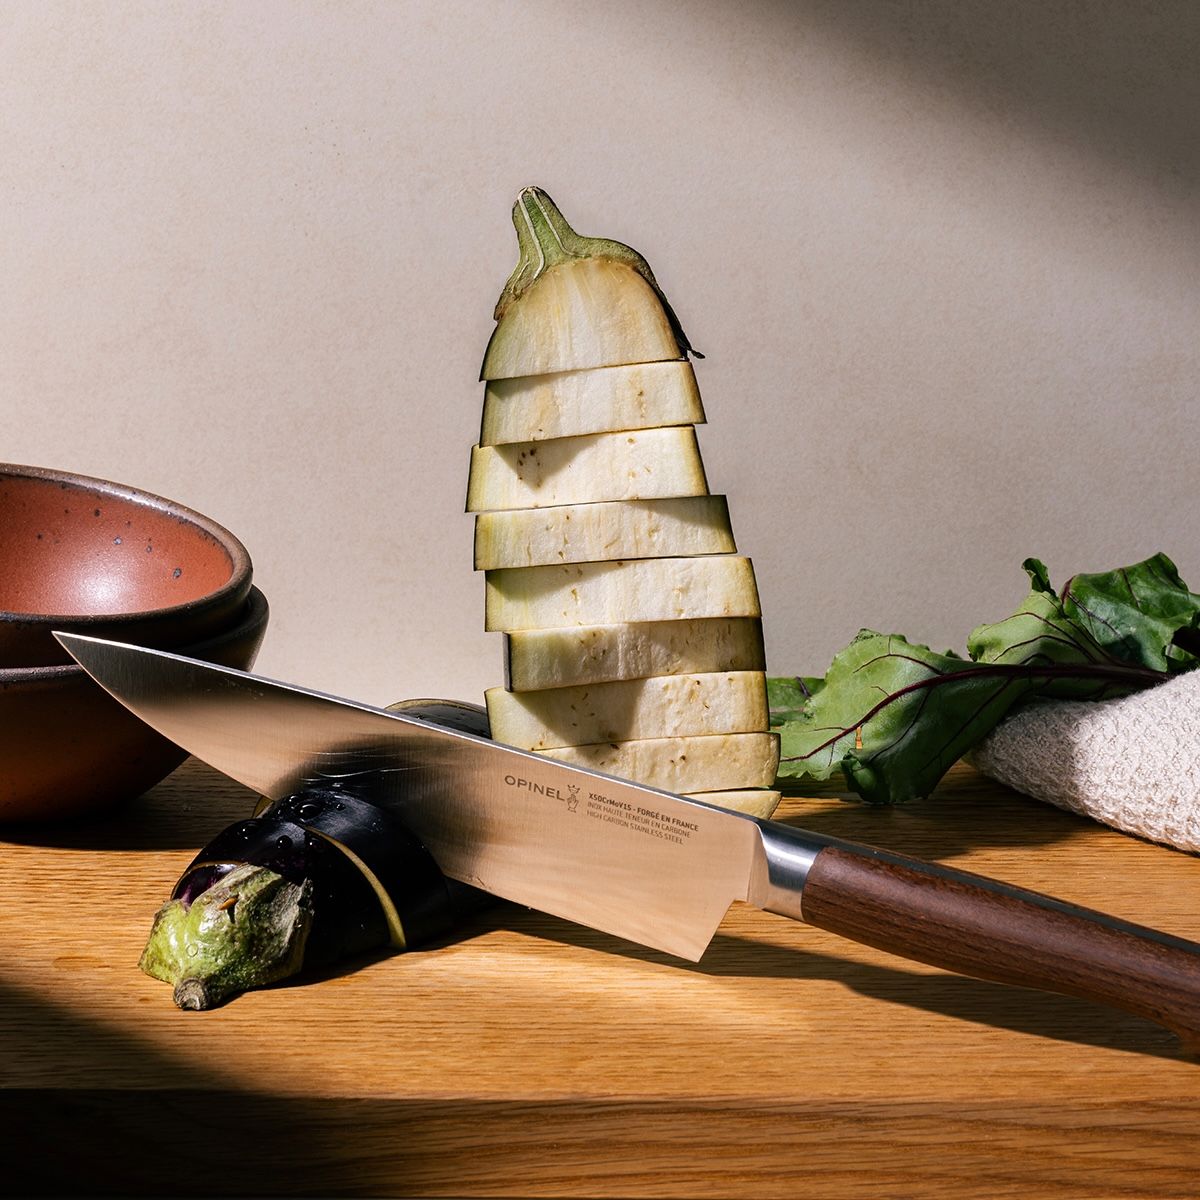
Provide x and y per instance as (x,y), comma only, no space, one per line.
(247,930)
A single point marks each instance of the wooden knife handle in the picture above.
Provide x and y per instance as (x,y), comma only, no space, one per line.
(976,926)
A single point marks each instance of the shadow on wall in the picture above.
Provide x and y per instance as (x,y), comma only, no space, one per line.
(1116,78)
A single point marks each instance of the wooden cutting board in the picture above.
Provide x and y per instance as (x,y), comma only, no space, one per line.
(535,1058)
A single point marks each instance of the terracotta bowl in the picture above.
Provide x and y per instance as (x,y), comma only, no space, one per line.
(67,748)
(89,556)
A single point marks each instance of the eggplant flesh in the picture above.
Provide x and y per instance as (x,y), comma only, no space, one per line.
(323,875)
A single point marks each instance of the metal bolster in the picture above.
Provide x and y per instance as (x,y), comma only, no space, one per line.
(781,868)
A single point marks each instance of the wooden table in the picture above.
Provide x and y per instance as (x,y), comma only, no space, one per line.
(535,1058)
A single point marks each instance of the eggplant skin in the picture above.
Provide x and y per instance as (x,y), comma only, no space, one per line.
(413,892)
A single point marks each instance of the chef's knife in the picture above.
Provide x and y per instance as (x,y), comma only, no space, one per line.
(633,861)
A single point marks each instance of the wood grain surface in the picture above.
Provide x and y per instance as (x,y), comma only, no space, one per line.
(530,1057)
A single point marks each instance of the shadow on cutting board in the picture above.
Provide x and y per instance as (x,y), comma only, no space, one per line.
(1000,1006)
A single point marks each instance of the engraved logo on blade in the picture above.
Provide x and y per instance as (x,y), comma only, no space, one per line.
(571,799)
(624,814)
(541,789)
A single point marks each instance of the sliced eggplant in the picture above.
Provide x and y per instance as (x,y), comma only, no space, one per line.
(633,634)
(576,302)
(639,465)
(606,532)
(684,765)
(758,802)
(603,400)
(652,589)
(551,658)
(662,707)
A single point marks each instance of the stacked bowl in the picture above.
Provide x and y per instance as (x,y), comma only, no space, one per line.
(88,556)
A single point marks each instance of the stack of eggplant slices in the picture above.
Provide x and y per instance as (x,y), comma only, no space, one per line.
(632,626)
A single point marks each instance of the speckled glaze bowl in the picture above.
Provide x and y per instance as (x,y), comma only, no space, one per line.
(89,556)
(68,749)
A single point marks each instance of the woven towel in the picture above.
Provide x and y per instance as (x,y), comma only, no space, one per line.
(1133,763)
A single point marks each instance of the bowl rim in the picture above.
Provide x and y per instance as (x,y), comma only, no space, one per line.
(241,566)
(255,612)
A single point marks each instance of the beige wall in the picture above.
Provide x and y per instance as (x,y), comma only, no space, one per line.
(942,259)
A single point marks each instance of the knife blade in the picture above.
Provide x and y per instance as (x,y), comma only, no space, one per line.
(634,861)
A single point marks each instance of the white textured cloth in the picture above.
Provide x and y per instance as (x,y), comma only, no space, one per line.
(1133,763)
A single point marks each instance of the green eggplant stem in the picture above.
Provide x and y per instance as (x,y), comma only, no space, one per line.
(194,995)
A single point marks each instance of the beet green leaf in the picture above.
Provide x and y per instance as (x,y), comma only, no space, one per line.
(893,716)
(1143,614)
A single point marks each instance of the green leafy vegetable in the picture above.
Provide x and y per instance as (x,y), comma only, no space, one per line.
(787,697)
(894,716)
(1143,614)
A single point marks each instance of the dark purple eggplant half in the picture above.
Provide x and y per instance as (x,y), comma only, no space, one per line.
(320,876)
